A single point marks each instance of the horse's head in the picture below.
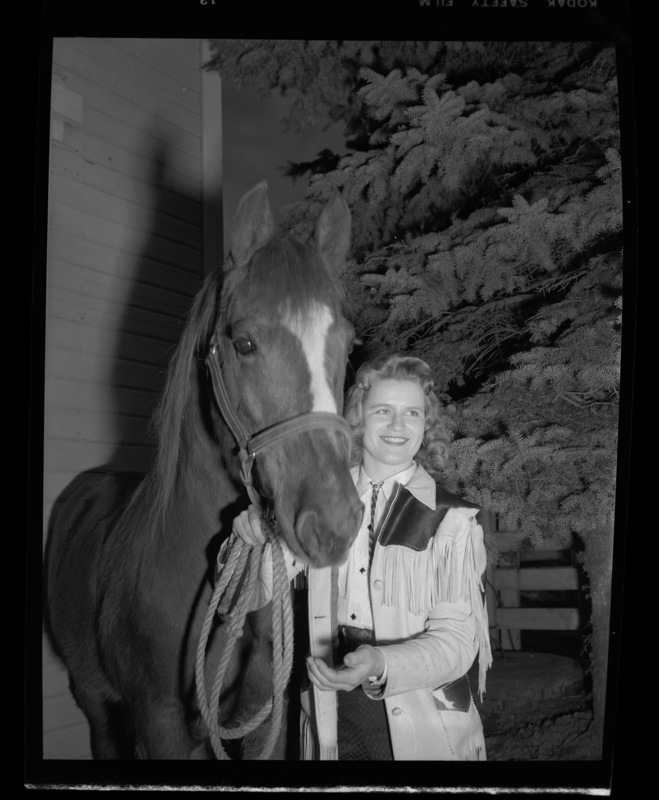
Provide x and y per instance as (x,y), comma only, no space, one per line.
(283,344)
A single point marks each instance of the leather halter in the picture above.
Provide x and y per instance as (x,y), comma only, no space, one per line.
(251,444)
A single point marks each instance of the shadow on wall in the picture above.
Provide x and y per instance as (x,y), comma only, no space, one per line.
(167,274)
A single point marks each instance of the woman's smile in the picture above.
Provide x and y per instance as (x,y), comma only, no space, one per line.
(395,440)
(394,421)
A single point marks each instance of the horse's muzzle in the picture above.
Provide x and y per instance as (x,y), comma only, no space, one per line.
(326,544)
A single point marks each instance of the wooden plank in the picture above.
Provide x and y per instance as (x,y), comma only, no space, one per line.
(97,202)
(61,712)
(506,638)
(72,365)
(65,728)
(538,579)
(138,232)
(76,226)
(73,308)
(132,166)
(66,459)
(122,156)
(183,55)
(125,186)
(165,289)
(106,343)
(95,426)
(530,556)
(66,743)
(507,541)
(538,619)
(124,74)
(55,678)
(120,163)
(63,393)
(509,596)
(124,86)
(213,168)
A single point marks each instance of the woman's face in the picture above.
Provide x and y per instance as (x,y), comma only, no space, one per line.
(394,422)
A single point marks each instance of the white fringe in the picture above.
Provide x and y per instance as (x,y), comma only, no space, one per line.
(307,739)
(475,562)
(418,580)
(476,751)
(329,753)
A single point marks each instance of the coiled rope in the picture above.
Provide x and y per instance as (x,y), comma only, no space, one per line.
(244,560)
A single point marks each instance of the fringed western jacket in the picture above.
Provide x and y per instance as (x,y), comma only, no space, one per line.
(430,623)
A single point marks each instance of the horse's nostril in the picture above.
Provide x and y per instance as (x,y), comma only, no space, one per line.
(312,537)
(326,543)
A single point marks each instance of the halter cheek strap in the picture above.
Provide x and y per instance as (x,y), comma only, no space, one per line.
(249,445)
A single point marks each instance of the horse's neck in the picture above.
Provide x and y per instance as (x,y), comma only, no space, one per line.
(204,487)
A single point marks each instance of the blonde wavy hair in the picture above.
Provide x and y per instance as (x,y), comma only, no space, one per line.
(434,452)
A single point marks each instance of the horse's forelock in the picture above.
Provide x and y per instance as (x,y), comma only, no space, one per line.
(285,275)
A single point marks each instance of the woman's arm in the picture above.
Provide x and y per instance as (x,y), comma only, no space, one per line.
(443,653)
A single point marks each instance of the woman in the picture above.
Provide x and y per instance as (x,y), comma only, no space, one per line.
(395,629)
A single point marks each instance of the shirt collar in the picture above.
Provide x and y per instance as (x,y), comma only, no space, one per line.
(416,479)
(402,477)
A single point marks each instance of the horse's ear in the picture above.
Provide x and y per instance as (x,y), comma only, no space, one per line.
(333,232)
(253,224)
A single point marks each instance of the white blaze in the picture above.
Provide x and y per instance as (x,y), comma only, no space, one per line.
(311,330)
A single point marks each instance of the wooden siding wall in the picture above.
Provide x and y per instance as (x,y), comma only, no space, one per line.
(124,261)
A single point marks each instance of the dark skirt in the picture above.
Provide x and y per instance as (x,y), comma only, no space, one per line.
(363,731)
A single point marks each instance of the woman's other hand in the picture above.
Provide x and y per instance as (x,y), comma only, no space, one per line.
(365,662)
(247,525)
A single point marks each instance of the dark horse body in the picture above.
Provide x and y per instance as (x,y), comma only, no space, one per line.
(129,559)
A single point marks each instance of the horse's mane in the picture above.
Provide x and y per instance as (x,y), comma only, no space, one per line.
(157,488)
(283,274)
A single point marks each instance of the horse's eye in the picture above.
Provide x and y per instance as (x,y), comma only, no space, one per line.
(244,346)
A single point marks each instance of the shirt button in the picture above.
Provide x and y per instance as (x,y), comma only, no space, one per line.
(377,584)
(397,712)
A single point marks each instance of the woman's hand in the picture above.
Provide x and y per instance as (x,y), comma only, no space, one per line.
(247,525)
(358,666)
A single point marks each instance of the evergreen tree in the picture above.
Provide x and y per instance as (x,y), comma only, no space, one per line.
(484,181)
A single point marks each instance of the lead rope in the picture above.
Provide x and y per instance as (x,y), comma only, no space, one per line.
(236,566)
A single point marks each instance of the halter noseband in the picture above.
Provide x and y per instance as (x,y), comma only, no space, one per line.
(249,445)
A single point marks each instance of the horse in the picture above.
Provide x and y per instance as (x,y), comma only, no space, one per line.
(130,558)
